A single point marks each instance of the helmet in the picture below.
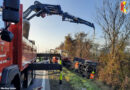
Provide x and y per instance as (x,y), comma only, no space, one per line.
(54,57)
(92,72)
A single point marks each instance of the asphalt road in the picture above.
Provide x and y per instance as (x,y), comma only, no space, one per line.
(41,82)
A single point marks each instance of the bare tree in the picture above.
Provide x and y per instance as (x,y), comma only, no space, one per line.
(116,29)
(68,44)
(113,23)
(79,39)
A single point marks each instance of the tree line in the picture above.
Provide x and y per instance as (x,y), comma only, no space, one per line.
(114,57)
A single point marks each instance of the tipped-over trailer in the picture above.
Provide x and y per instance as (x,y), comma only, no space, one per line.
(85,67)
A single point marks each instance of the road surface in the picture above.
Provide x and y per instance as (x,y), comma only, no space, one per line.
(41,82)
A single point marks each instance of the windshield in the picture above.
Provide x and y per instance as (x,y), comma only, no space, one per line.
(1,21)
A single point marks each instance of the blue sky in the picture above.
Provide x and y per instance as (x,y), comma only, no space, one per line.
(50,31)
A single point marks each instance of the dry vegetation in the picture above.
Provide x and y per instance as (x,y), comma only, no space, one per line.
(72,81)
(114,67)
(114,58)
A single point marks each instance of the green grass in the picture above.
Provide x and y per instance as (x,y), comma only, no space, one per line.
(73,81)
(78,82)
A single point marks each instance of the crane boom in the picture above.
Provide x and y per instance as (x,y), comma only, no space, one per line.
(40,9)
(74,19)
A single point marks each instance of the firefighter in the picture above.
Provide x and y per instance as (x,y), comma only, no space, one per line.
(76,66)
(40,59)
(92,75)
(60,77)
(60,62)
(54,60)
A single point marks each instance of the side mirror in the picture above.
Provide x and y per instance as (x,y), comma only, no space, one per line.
(7,35)
(11,11)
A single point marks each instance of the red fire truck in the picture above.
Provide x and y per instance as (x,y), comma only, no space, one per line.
(17,53)
(15,56)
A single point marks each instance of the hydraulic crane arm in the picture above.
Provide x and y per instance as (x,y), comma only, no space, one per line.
(70,18)
(40,9)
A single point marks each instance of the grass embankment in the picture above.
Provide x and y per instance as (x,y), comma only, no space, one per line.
(78,82)
(72,81)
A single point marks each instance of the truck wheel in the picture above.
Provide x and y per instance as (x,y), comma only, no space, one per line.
(15,84)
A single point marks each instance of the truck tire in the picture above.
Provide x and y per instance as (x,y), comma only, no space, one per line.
(16,83)
(11,77)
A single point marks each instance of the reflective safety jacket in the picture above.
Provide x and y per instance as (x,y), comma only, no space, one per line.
(91,76)
(76,65)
